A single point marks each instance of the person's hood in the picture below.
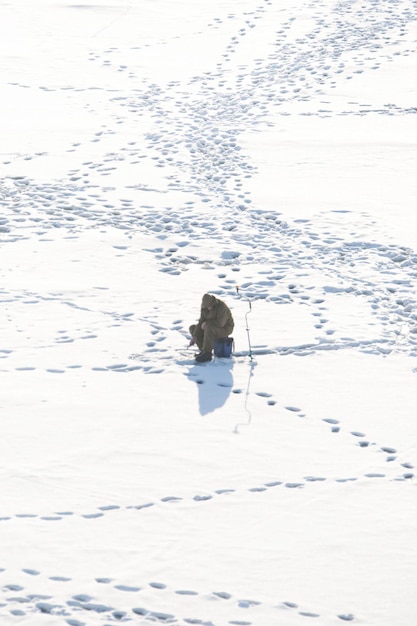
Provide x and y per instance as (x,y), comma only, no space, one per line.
(208,300)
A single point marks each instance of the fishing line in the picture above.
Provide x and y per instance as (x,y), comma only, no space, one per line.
(248,411)
(251,367)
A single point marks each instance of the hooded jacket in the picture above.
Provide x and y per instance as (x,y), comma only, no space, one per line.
(219,314)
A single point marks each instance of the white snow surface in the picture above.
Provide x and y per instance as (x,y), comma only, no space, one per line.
(262,151)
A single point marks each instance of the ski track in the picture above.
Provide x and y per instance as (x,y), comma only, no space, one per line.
(194,140)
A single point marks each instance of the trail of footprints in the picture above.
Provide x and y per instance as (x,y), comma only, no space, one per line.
(358,438)
(77,608)
(218,112)
(395,308)
(20,602)
(294,71)
(290,258)
(78,605)
(215,171)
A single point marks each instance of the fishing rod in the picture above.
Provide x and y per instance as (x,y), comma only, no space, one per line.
(246,319)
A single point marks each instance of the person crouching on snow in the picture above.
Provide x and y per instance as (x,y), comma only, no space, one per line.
(216,322)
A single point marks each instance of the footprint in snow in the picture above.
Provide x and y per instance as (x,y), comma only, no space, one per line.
(86,602)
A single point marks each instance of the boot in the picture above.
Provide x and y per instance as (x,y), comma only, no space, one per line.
(203,357)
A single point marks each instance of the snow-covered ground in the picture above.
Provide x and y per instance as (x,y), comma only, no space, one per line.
(263,151)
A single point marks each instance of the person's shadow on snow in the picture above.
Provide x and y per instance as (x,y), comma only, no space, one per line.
(214,383)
